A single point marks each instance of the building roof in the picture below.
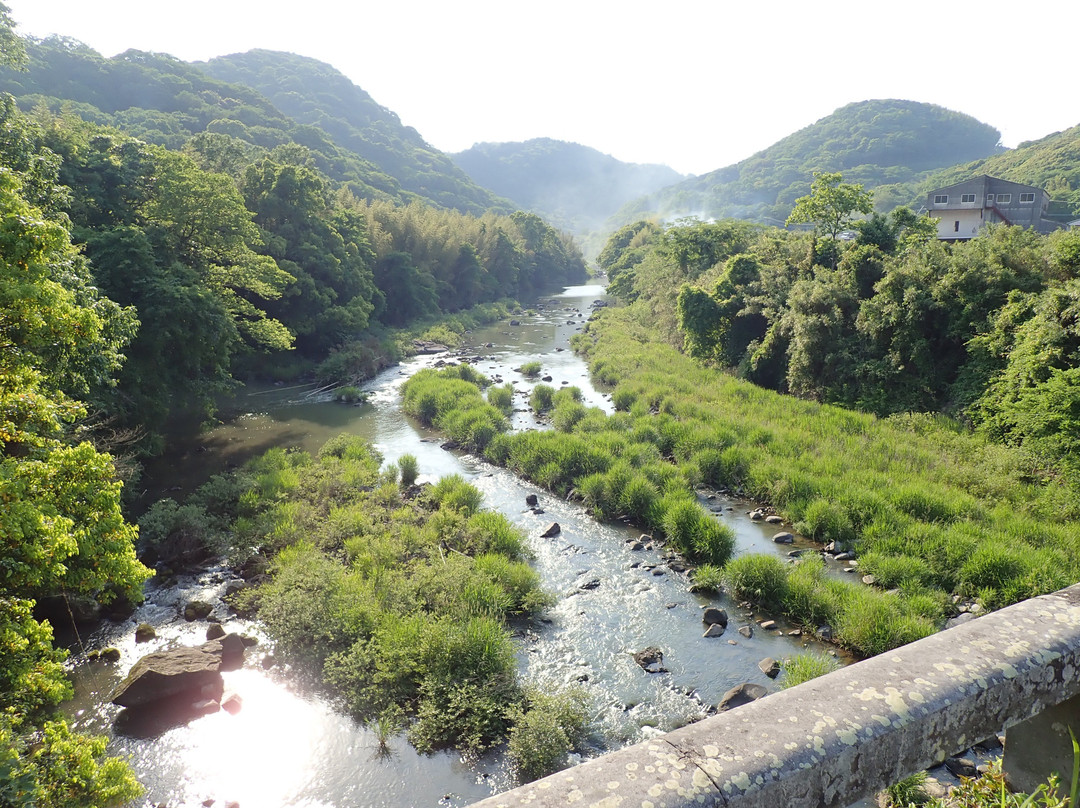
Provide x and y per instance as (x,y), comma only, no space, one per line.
(987,179)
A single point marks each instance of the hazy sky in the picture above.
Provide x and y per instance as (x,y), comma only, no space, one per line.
(697,84)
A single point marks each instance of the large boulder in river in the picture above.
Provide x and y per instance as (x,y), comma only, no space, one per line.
(180,673)
(165,675)
(551,530)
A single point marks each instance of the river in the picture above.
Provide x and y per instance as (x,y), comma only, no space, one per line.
(288,746)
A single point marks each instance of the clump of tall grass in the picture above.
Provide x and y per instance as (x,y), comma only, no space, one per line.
(502,398)
(759,578)
(803,667)
(541,397)
(531,369)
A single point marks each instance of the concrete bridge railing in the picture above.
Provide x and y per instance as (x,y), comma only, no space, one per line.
(847,735)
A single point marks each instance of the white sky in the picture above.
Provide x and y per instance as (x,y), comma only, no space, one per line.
(696,84)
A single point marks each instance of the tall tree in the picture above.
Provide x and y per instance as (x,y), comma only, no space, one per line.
(831,204)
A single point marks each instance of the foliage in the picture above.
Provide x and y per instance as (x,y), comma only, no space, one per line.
(923,503)
(830,204)
(349,394)
(550,726)
(708,578)
(61,528)
(541,398)
(804,667)
(910,791)
(760,578)
(531,369)
(409,469)
(991,791)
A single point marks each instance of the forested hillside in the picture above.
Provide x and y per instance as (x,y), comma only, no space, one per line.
(165,101)
(573,186)
(315,94)
(872,142)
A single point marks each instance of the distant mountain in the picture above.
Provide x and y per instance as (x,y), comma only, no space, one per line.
(875,143)
(163,100)
(573,186)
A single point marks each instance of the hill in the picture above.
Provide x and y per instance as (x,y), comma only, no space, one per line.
(163,100)
(574,186)
(874,142)
(316,94)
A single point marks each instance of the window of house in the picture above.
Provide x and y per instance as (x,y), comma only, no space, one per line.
(1026,198)
(941,199)
(989,197)
(1004,199)
(956,227)
(967,198)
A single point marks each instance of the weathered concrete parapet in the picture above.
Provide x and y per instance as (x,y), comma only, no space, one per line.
(846,735)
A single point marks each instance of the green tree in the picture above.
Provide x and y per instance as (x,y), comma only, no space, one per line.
(61,530)
(831,204)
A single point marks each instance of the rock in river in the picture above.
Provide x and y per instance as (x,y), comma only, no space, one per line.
(651,660)
(740,695)
(180,672)
(551,530)
(714,615)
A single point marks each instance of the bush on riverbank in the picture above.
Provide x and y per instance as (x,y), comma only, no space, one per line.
(398,603)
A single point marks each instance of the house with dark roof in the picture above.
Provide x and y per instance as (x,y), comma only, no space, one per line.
(963,209)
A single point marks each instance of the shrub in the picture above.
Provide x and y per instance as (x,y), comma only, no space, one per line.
(546,732)
(759,578)
(541,398)
(178,533)
(410,468)
(502,398)
(453,492)
(531,369)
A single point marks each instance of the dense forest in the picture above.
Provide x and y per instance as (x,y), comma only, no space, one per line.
(892,321)
(165,101)
(880,142)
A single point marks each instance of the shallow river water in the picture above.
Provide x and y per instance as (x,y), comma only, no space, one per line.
(288,746)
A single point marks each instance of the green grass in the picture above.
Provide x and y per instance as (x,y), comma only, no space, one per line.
(929,508)
(531,369)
